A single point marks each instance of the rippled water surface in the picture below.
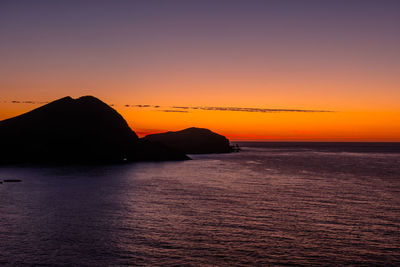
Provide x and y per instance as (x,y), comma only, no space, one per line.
(262,206)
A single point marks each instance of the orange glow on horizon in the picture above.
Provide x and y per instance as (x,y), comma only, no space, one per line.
(335,126)
(356,125)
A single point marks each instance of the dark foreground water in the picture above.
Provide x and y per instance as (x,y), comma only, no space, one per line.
(267,205)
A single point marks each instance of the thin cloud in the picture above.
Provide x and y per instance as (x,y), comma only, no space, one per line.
(181,107)
(236,109)
(261,110)
(142,106)
(185,109)
(172,110)
(25,102)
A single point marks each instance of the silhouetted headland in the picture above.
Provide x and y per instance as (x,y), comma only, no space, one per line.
(70,131)
(193,141)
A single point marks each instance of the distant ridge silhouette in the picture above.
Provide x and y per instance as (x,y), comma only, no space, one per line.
(83,130)
(193,141)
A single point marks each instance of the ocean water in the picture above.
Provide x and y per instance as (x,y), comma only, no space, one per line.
(271,204)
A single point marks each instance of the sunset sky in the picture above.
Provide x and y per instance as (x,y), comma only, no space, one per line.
(251,70)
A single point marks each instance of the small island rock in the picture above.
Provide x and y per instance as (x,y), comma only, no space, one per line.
(193,141)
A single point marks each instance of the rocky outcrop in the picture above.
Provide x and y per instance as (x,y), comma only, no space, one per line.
(193,141)
(83,130)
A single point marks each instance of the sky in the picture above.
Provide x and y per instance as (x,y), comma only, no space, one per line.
(284,70)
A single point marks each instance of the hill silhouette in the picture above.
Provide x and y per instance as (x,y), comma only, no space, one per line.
(193,141)
(83,130)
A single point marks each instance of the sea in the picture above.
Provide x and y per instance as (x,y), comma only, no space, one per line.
(271,204)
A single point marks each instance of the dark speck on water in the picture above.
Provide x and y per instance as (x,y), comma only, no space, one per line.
(270,204)
(12,181)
